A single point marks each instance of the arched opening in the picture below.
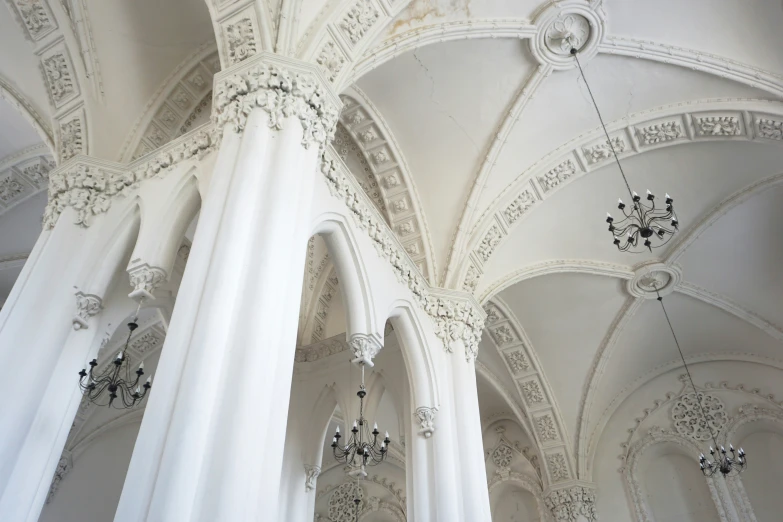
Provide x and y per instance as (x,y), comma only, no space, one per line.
(762,480)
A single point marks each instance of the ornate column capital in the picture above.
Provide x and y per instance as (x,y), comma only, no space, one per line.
(456,316)
(145,279)
(87,305)
(311,475)
(573,503)
(426,418)
(282,87)
(364,347)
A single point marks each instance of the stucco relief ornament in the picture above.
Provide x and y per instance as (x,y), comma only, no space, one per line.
(341,502)
(282,94)
(572,504)
(87,305)
(689,422)
(502,456)
(311,475)
(568,31)
(145,279)
(426,417)
(365,348)
(241,41)
(35,16)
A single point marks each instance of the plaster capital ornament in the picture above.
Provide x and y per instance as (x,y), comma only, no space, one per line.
(145,279)
(572,504)
(282,88)
(311,475)
(426,418)
(63,467)
(87,305)
(90,189)
(364,348)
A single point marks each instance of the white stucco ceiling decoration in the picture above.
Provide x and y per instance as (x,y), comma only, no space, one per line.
(651,280)
(564,25)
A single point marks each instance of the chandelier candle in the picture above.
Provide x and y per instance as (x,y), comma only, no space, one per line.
(362,448)
(116,379)
(644,225)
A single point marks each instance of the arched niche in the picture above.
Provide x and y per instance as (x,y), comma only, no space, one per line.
(666,485)
(510,501)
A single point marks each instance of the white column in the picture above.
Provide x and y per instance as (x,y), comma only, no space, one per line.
(211,442)
(70,332)
(473,475)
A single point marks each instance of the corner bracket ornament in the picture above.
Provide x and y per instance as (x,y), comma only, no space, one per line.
(426,418)
(282,88)
(572,503)
(87,305)
(145,279)
(311,475)
(365,348)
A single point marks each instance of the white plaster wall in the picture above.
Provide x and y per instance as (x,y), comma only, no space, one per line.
(511,503)
(764,477)
(676,490)
(91,490)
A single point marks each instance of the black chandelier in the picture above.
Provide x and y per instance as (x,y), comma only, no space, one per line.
(362,449)
(644,225)
(116,379)
(728,463)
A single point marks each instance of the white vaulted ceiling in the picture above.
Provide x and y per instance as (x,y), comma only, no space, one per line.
(474,126)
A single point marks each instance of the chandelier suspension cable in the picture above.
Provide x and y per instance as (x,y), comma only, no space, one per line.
(603,125)
(687,371)
(725,463)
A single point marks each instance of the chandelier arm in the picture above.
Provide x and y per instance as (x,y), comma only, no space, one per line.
(687,371)
(603,125)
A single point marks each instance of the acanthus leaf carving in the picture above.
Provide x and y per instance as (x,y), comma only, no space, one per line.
(489,242)
(331,60)
(517,361)
(35,16)
(770,129)
(660,133)
(71,139)
(718,126)
(281,94)
(603,151)
(545,426)
(519,206)
(426,417)
(58,76)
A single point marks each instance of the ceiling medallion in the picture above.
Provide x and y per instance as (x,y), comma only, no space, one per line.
(564,25)
(653,279)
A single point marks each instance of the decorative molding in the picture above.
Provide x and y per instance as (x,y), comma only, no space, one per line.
(311,476)
(145,279)
(456,318)
(365,348)
(426,418)
(64,465)
(72,135)
(605,150)
(87,305)
(89,186)
(282,91)
(393,188)
(359,19)
(583,23)
(686,415)
(658,127)
(240,40)
(331,59)
(57,67)
(557,466)
(523,367)
(530,484)
(322,349)
(19,102)
(652,279)
(37,17)
(572,504)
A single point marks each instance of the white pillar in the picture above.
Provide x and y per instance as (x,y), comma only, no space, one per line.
(473,475)
(50,395)
(211,442)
